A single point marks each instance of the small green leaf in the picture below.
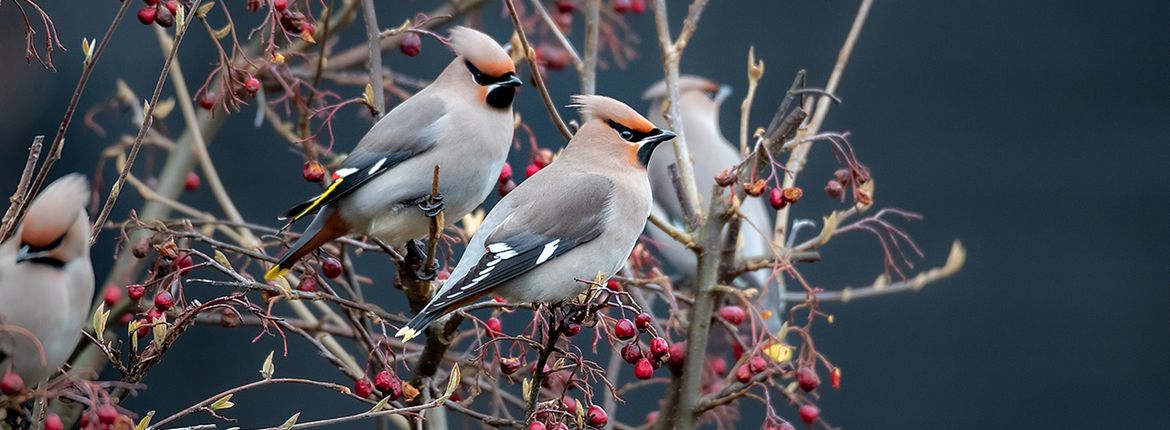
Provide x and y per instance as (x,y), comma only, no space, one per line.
(290,422)
(100,316)
(203,9)
(222,260)
(160,331)
(223,403)
(267,369)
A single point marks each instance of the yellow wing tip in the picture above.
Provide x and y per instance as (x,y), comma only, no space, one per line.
(275,272)
(406,333)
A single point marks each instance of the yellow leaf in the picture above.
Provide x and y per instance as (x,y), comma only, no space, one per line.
(160,330)
(223,403)
(223,32)
(164,108)
(278,58)
(368,95)
(308,38)
(204,9)
(133,330)
(778,352)
(827,230)
(145,422)
(100,316)
(452,383)
(180,17)
(526,388)
(580,414)
(267,369)
(291,421)
(222,260)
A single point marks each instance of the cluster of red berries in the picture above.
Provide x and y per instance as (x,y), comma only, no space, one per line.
(595,416)
(505,184)
(387,384)
(102,418)
(160,12)
(624,6)
(781,197)
(658,350)
(291,21)
(835,189)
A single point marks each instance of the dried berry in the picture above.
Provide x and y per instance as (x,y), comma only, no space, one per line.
(182,263)
(843,176)
(757,364)
(146,15)
(743,374)
(494,327)
(732,314)
(632,353)
(192,182)
(252,85)
(659,347)
(163,17)
(312,171)
(411,44)
(308,283)
(292,22)
(643,321)
(809,413)
(11,384)
(111,295)
(835,190)
(725,178)
(624,329)
(597,416)
(793,194)
(755,189)
(505,173)
(643,369)
(141,248)
(807,377)
(509,365)
(776,199)
(163,300)
(330,267)
(362,388)
(228,318)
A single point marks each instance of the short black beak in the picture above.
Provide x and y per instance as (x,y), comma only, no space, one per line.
(512,81)
(650,142)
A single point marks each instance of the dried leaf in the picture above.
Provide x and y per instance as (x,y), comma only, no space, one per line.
(291,421)
(865,196)
(526,388)
(164,108)
(204,9)
(580,414)
(452,383)
(368,95)
(828,227)
(160,331)
(222,260)
(223,32)
(144,423)
(100,316)
(133,330)
(778,352)
(124,91)
(755,68)
(308,38)
(223,403)
(409,393)
(380,405)
(267,369)
(180,18)
(278,58)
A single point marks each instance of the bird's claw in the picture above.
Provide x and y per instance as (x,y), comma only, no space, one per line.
(432,205)
(427,273)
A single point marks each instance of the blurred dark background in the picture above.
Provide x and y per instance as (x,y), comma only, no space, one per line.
(1034,132)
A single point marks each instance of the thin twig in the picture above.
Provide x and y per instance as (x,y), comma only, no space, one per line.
(17,199)
(374,62)
(537,79)
(588,68)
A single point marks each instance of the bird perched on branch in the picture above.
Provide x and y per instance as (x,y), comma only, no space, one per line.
(461,122)
(46,282)
(578,217)
(711,153)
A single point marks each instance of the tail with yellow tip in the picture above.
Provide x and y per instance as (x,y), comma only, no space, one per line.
(326,226)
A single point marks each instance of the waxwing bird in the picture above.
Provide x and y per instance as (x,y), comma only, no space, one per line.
(711,153)
(46,282)
(461,122)
(578,217)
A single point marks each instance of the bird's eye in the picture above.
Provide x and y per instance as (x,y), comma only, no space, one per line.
(626,134)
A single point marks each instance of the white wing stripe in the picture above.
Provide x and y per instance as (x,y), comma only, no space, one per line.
(547,252)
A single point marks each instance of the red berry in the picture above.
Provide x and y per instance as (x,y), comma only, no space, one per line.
(84,420)
(411,44)
(536,425)
(312,171)
(280,5)
(531,170)
(624,329)
(146,15)
(632,353)
(743,374)
(793,194)
(207,101)
(509,365)
(155,313)
(651,417)
(494,326)
(613,285)
(621,6)
(163,300)
(732,314)
(252,85)
(643,370)
(443,275)
(505,173)
(718,365)
(638,6)
(11,384)
(835,378)
(597,416)
(835,190)
(151,2)
(570,405)
(785,426)
(736,350)
(809,413)
(572,329)
(125,319)
(362,388)
(111,295)
(560,426)
(807,377)
(757,364)
(554,57)
(678,353)
(192,182)
(543,157)
(107,414)
(643,321)
(182,264)
(659,347)
(308,283)
(566,6)
(776,199)
(506,187)
(53,422)
(564,21)
(382,381)
(330,267)
(143,328)
(172,6)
